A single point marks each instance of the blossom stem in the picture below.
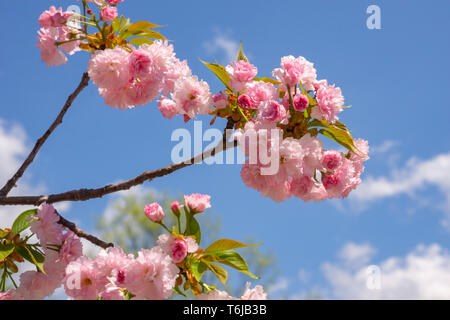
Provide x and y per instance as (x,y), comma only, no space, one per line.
(12,182)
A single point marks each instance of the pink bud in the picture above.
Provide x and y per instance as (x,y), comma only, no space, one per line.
(179,250)
(154,212)
(176,208)
(220,101)
(197,202)
(108,14)
(244,101)
(300,102)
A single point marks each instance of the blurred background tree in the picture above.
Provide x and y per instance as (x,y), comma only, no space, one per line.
(126,225)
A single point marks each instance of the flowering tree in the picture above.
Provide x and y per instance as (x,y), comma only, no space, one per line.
(276,121)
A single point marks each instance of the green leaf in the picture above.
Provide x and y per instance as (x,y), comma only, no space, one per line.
(230,258)
(198,268)
(219,71)
(140,41)
(4,233)
(220,272)
(178,290)
(343,137)
(5,250)
(32,255)
(152,35)
(241,55)
(141,26)
(192,227)
(227,244)
(22,222)
(268,80)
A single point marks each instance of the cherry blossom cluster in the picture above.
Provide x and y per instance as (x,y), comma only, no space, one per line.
(279,121)
(154,274)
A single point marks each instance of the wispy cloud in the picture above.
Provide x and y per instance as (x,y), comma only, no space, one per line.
(384,147)
(223,48)
(422,274)
(413,176)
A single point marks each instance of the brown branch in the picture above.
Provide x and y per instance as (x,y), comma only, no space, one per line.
(71,226)
(86,194)
(12,182)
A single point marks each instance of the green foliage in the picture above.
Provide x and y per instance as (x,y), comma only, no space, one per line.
(241,55)
(22,222)
(228,244)
(219,71)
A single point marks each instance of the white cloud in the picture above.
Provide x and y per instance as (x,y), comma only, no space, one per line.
(224,46)
(354,254)
(384,147)
(415,175)
(421,274)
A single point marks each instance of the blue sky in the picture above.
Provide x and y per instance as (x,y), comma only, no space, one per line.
(396,79)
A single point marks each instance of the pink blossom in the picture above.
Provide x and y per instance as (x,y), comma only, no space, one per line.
(140,64)
(36,286)
(175,70)
(313,149)
(46,226)
(272,111)
(332,160)
(244,101)
(340,183)
(166,240)
(109,68)
(111,267)
(154,212)
(257,293)
(240,72)
(114,2)
(66,34)
(11,294)
(79,282)
(261,91)
(220,100)
(168,107)
(197,202)
(54,17)
(151,275)
(307,189)
(291,154)
(108,13)
(192,96)
(329,103)
(179,250)
(296,70)
(49,51)
(71,249)
(300,102)
(176,208)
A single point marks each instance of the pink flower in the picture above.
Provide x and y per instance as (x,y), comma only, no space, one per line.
(257,293)
(296,70)
(179,250)
(340,183)
(175,70)
(291,154)
(54,18)
(244,101)
(46,227)
(11,294)
(151,275)
(108,14)
(35,286)
(79,281)
(71,249)
(109,68)
(140,63)
(313,149)
(240,72)
(166,241)
(167,107)
(154,212)
(332,160)
(261,91)
(66,34)
(329,102)
(197,202)
(307,189)
(220,100)
(176,208)
(192,96)
(114,2)
(300,102)
(272,111)
(49,51)
(111,267)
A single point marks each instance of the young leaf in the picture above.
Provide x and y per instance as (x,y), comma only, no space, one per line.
(140,41)
(241,55)
(198,268)
(178,290)
(220,72)
(33,256)
(342,137)
(4,233)
(192,227)
(268,80)
(220,272)
(230,258)
(22,222)
(141,26)
(5,250)
(227,244)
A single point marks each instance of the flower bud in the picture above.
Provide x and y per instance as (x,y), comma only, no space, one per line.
(176,208)
(154,212)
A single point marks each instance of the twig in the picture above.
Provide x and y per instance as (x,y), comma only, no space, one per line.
(86,194)
(12,182)
(70,225)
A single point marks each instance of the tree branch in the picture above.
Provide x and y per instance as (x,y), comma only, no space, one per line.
(71,226)
(12,182)
(86,194)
